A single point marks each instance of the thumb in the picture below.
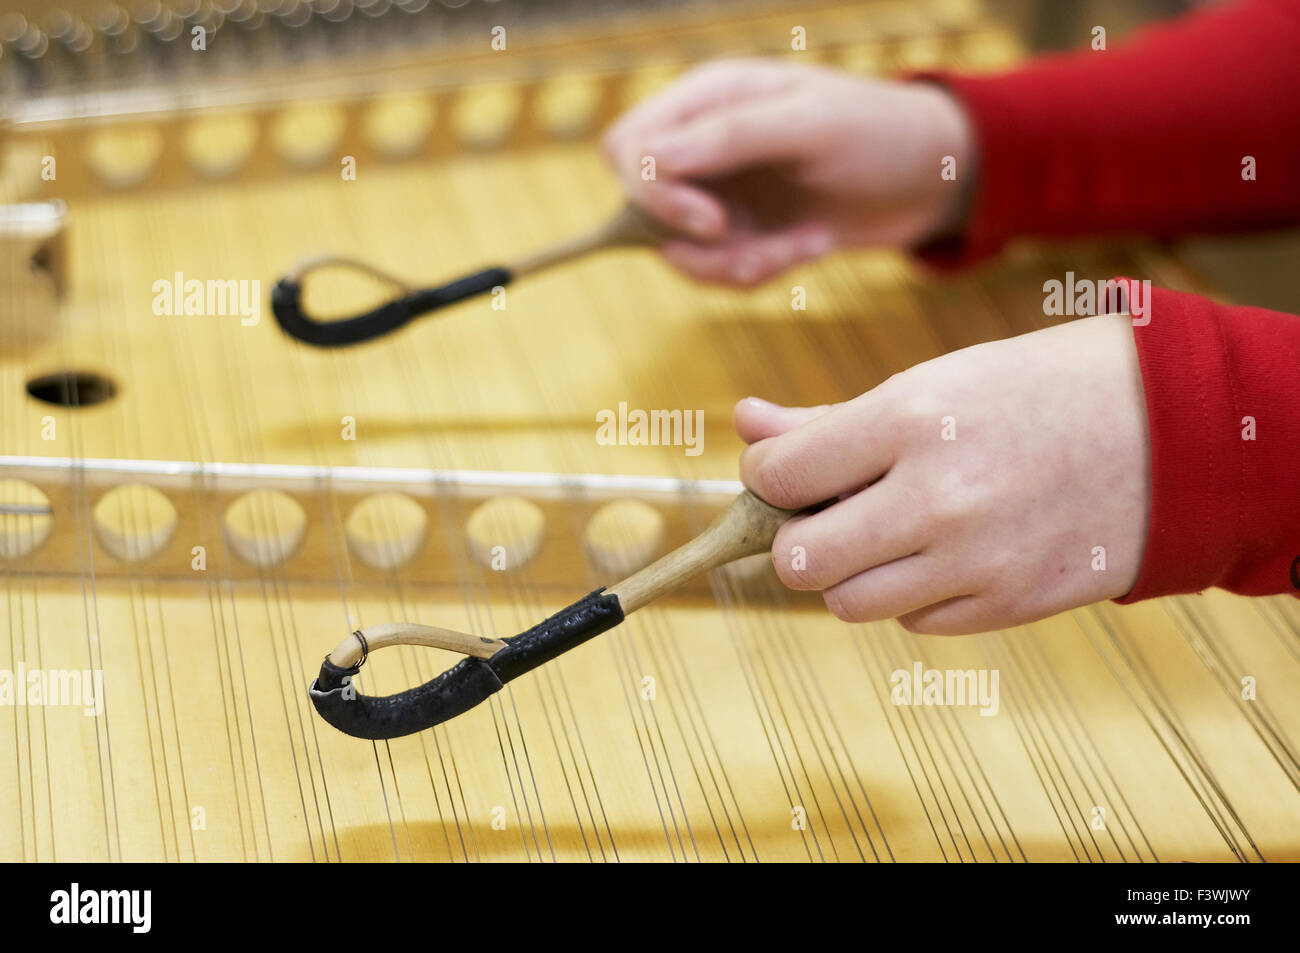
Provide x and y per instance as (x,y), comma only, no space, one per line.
(757,419)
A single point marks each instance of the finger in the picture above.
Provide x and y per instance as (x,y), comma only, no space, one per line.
(698,91)
(843,450)
(750,260)
(758,419)
(960,615)
(681,206)
(869,529)
(986,612)
(714,86)
(732,138)
(893,590)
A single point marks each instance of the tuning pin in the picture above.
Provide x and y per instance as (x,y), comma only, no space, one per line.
(25,44)
(160,29)
(292,18)
(339,35)
(249,21)
(72,46)
(201,21)
(117,34)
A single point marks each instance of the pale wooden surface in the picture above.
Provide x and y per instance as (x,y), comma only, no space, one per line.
(762,704)
(755,712)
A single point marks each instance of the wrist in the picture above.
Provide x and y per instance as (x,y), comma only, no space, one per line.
(955,172)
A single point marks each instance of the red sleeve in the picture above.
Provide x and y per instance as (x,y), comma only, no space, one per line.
(1149,136)
(1223,401)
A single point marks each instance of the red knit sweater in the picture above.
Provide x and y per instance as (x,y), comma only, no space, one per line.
(1153,136)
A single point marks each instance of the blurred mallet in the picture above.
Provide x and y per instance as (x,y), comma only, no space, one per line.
(629,228)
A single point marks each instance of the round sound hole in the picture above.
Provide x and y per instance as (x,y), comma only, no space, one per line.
(72,389)
(26,519)
(386,530)
(566,105)
(219,145)
(305,135)
(505,532)
(485,115)
(265,527)
(124,158)
(398,125)
(623,536)
(134,522)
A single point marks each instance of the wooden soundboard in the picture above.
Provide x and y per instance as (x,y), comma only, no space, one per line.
(735,721)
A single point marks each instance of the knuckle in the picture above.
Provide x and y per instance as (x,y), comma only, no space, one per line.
(919,410)
(953,499)
(904,411)
(777,480)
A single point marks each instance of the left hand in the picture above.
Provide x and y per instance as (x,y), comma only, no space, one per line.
(764,164)
(974,489)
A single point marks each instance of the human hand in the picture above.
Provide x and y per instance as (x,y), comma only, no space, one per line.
(765,164)
(991,475)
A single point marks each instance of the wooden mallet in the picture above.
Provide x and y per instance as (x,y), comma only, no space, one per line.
(629,228)
(745,528)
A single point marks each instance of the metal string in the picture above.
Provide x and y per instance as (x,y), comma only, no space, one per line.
(138,599)
(1194,783)
(1064,703)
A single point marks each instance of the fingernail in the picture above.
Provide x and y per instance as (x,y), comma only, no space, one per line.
(760,402)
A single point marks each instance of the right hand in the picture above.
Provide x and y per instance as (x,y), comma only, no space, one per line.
(974,490)
(765,164)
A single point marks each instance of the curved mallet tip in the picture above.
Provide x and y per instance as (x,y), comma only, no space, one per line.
(351,652)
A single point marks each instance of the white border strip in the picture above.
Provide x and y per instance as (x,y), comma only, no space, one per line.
(276,472)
